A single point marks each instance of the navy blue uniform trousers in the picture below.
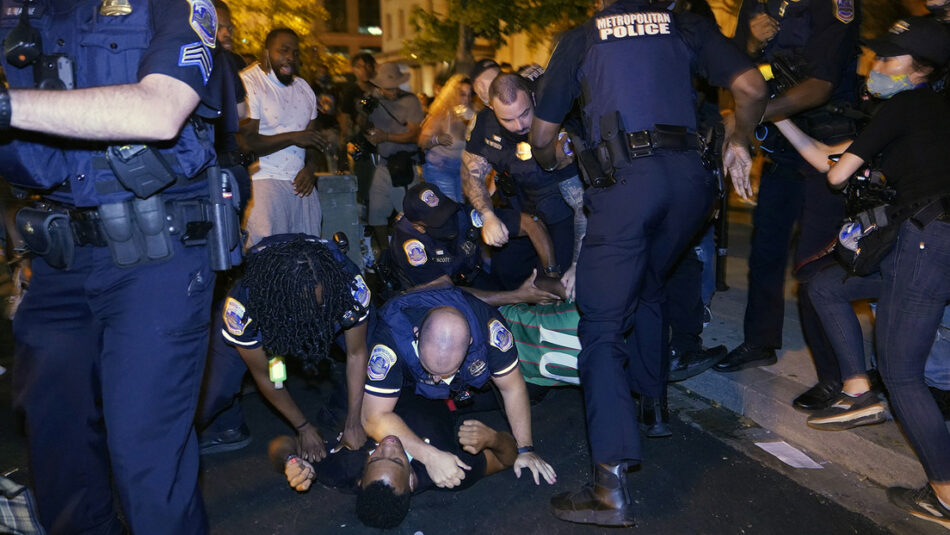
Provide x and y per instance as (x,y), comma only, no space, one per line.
(107,370)
(636,231)
(791,192)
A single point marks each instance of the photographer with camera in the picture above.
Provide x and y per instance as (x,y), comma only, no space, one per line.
(395,118)
(352,118)
(809,50)
(112,333)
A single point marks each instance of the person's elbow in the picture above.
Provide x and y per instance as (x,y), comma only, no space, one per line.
(166,103)
(749,86)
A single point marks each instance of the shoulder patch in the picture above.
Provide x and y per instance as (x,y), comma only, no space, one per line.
(381,360)
(844,10)
(360,291)
(429,197)
(477,221)
(499,336)
(415,252)
(234,317)
(204,21)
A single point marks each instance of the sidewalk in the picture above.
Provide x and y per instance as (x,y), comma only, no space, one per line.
(879,453)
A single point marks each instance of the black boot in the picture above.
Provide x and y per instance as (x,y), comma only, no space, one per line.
(606,503)
(654,417)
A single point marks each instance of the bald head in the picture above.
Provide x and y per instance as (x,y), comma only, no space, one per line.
(444,338)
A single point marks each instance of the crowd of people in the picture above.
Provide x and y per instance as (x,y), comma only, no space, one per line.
(514,208)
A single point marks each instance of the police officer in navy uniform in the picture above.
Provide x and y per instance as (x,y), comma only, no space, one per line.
(112,334)
(439,344)
(631,66)
(817,40)
(499,141)
(436,243)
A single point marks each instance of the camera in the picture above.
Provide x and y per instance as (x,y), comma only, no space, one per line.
(368,104)
(55,71)
(360,147)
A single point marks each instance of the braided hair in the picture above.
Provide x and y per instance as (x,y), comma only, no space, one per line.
(282,279)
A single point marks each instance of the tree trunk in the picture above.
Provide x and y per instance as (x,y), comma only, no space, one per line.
(464,61)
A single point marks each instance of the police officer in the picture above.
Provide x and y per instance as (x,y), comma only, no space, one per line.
(440,344)
(650,194)
(435,243)
(816,40)
(112,334)
(267,313)
(499,141)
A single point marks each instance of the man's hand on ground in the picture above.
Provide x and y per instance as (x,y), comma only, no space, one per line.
(299,474)
(537,466)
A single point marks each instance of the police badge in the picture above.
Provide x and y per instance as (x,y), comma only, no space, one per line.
(523,151)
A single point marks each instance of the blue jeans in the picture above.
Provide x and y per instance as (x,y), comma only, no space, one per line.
(916,288)
(444,173)
(938,364)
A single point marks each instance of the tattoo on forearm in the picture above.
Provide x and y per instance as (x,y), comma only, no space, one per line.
(474,170)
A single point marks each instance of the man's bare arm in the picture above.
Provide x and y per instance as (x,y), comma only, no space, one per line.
(263,145)
(543,135)
(808,94)
(154,109)
(475,169)
(514,393)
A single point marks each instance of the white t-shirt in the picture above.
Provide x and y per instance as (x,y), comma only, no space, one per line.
(280,108)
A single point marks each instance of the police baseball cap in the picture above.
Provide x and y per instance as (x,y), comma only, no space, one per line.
(425,203)
(481,66)
(923,37)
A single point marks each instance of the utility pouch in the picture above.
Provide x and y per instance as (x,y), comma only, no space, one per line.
(140,169)
(506,184)
(150,216)
(118,224)
(47,234)
(614,141)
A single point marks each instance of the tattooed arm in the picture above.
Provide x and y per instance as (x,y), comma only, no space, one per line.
(474,170)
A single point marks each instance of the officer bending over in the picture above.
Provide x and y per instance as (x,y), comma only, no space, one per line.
(297,294)
(436,243)
(442,344)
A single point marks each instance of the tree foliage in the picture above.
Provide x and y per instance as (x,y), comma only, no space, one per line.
(253,19)
(438,32)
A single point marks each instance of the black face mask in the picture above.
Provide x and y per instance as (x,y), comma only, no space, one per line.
(447,232)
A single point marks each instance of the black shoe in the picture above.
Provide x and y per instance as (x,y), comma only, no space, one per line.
(746,356)
(922,503)
(222,441)
(655,417)
(606,503)
(848,412)
(818,397)
(690,363)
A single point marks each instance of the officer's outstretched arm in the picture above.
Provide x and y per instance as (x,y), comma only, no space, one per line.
(445,469)
(154,109)
(474,171)
(748,90)
(514,393)
(357,357)
(808,94)
(309,443)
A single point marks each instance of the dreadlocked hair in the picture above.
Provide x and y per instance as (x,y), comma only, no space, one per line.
(281,280)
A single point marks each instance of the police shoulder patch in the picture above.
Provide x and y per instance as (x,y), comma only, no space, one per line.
(381,360)
(360,291)
(233,316)
(415,252)
(204,20)
(499,336)
(844,10)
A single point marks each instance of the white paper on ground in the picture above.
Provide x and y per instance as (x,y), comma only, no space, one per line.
(788,454)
